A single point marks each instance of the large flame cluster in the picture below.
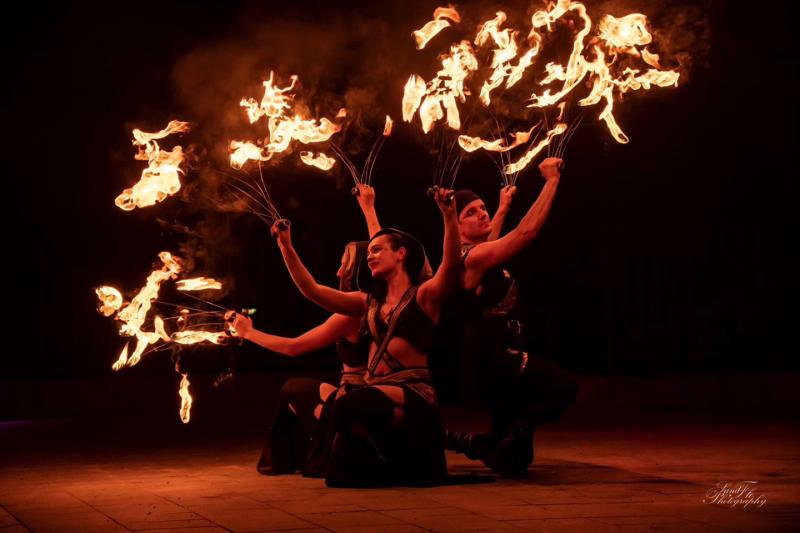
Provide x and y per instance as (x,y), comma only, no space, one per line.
(282,128)
(161,177)
(594,53)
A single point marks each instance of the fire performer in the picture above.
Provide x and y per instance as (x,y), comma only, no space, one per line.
(520,390)
(300,416)
(389,431)
(299,434)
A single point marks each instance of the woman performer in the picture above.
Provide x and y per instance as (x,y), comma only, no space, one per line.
(389,430)
(308,400)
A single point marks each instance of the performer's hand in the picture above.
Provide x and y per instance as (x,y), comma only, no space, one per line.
(282,233)
(506,195)
(365,196)
(239,325)
(551,168)
(445,201)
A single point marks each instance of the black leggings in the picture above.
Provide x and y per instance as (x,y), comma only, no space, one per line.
(292,428)
(369,450)
(541,393)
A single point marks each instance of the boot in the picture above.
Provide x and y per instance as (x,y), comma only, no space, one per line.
(474,445)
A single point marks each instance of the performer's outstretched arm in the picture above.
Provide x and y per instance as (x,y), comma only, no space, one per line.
(334,328)
(433,292)
(366,200)
(490,254)
(347,303)
(506,194)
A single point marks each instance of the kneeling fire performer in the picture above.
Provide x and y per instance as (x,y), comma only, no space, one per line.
(299,434)
(520,390)
(389,431)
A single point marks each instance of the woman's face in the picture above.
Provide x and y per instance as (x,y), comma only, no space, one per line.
(381,259)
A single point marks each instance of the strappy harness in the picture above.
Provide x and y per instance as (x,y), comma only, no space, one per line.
(417,379)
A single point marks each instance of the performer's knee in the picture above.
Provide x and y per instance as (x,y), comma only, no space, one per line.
(367,407)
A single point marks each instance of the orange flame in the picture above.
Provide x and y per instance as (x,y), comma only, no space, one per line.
(195,337)
(134,314)
(282,129)
(412,96)
(534,151)
(443,90)
(186,399)
(320,160)
(242,152)
(197,284)
(470,144)
(160,178)
(439,22)
(110,300)
(387,127)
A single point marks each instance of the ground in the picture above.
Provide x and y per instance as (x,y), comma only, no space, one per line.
(63,475)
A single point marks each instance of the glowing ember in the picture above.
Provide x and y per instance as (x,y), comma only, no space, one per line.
(320,160)
(186,399)
(197,284)
(160,179)
(439,22)
(110,300)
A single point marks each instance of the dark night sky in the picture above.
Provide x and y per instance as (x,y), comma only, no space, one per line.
(671,253)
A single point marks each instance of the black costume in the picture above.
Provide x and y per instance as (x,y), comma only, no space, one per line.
(368,449)
(521,391)
(297,440)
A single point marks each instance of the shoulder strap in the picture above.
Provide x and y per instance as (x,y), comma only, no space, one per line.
(398,312)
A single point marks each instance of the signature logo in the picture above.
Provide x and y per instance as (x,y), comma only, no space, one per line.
(741,493)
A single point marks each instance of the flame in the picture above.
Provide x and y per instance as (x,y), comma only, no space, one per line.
(320,160)
(506,50)
(439,22)
(195,337)
(534,151)
(197,284)
(160,178)
(387,127)
(282,128)
(242,152)
(650,58)
(134,314)
(122,360)
(470,144)
(110,300)
(441,91)
(186,399)
(412,96)
(274,102)
(626,32)
(158,325)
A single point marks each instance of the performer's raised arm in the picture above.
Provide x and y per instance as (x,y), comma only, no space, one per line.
(334,328)
(490,254)
(366,200)
(335,301)
(506,195)
(433,292)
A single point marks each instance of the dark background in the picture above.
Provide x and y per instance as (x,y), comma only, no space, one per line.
(671,254)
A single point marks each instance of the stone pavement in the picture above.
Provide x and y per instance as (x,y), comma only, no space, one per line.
(585,479)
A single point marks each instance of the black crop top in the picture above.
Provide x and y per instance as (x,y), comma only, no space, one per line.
(414,325)
(354,354)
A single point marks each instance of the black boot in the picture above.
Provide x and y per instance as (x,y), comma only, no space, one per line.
(513,454)
(475,445)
